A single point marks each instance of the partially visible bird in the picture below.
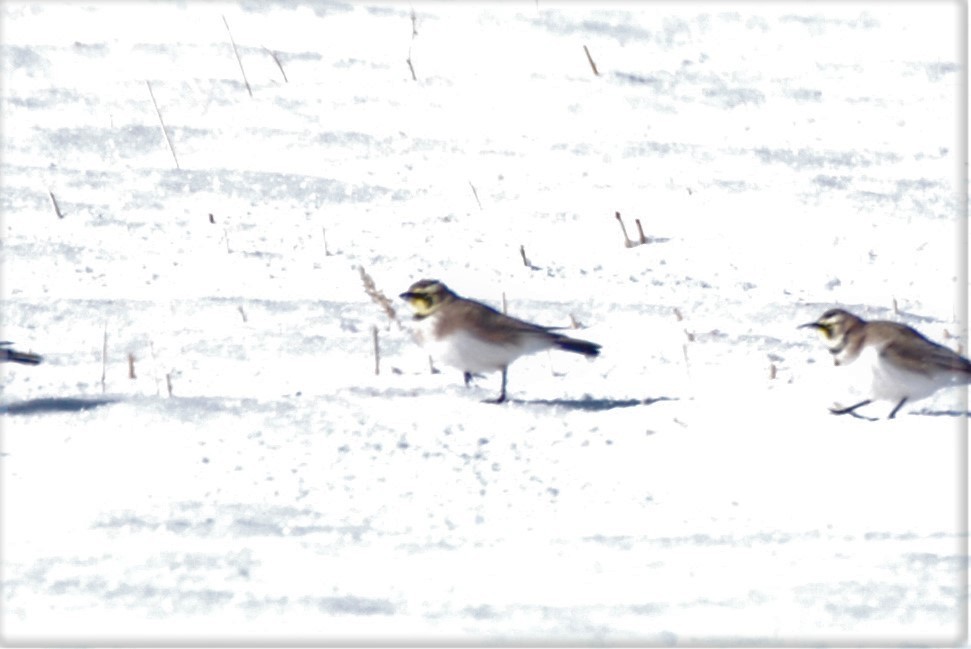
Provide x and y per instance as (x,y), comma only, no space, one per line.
(904,364)
(13,356)
(474,337)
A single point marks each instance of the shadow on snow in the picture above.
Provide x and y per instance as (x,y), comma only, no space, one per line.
(591,404)
(943,413)
(55,404)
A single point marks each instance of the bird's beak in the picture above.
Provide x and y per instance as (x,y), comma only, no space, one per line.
(408,295)
(811,324)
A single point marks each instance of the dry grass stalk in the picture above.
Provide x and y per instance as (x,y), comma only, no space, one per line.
(677,314)
(896,311)
(476,194)
(772,371)
(131,365)
(414,77)
(377,350)
(640,232)
(242,313)
(593,66)
(574,323)
(238,60)
(57,208)
(377,296)
(522,253)
(627,241)
(168,382)
(161,122)
(326,249)
(212,219)
(276,60)
(104,359)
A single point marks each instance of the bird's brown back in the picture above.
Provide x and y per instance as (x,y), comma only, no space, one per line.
(912,349)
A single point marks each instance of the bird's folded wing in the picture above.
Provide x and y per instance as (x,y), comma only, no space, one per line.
(926,358)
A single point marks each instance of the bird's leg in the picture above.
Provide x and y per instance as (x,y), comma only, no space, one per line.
(502,392)
(849,411)
(468,378)
(893,412)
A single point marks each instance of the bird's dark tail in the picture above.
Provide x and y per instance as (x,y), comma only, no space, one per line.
(578,346)
(14,356)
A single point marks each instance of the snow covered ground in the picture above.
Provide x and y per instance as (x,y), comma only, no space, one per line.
(256,481)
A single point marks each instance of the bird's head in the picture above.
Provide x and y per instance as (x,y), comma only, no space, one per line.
(833,326)
(426,296)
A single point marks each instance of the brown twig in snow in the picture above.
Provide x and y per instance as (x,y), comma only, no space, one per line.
(627,241)
(276,60)
(377,350)
(522,253)
(57,208)
(377,296)
(640,231)
(104,359)
(131,365)
(326,249)
(476,194)
(161,122)
(238,60)
(414,77)
(593,66)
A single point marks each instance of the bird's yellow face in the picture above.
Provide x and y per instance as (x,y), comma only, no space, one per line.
(426,296)
(832,326)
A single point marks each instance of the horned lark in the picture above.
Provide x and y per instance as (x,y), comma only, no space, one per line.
(473,337)
(905,365)
(13,356)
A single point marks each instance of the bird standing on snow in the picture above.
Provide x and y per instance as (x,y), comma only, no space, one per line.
(904,364)
(474,337)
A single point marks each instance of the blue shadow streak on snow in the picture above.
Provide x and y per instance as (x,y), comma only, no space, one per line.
(55,404)
(943,413)
(592,405)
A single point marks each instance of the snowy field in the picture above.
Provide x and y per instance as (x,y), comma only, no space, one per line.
(253,480)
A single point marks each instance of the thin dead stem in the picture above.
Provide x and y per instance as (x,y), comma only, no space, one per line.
(238,60)
(378,297)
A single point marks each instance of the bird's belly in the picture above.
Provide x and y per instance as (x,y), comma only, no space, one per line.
(894,383)
(470,354)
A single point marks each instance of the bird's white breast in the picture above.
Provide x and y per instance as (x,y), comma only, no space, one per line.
(466,352)
(893,382)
